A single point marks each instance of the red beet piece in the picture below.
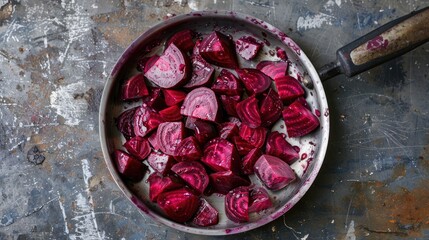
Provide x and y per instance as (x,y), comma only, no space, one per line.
(171,114)
(159,184)
(255,136)
(153,140)
(248,112)
(202,73)
(219,50)
(203,131)
(299,120)
(229,104)
(161,162)
(278,146)
(193,173)
(227,84)
(271,108)
(223,182)
(206,215)
(155,99)
(138,147)
(134,88)
(201,103)
(237,204)
(179,205)
(247,47)
(145,63)
(169,135)
(145,120)
(188,150)
(303,102)
(227,130)
(221,155)
(196,49)
(129,166)
(254,80)
(249,160)
(274,172)
(281,53)
(242,145)
(259,200)
(125,123)
(183,40)
(173,97)
(288,88)
(172,69)
(273,70)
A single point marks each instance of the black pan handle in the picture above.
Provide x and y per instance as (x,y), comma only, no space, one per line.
(384,43)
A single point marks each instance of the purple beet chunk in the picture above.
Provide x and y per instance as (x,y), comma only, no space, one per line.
(171,114)
(274,172)
(125,123)
(289,88)
(255,136)
(201,103)
(249,160)
(229,104)
(278,146)
(161,162)
(248,112)
(145,63)
(254,81)
(153,140)
(247,47)
(183,40)
(194,174)
(169,136)
(138,147)
(179,205)
(188,150)
(173,97)
(155,99)
(134,88)
(202,73)
(228,130)
(221,155)
(259,200)
(271,108)
(237,204)
(206,215)
(273,70)
(145,120)
(223,182)
(243,147)
(159,184)
(227,84)
(203,130)
(129,166)
(219,50)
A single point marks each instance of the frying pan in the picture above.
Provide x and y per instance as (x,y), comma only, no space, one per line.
(380,45)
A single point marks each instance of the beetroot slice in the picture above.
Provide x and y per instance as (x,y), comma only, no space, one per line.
(188,150)
(193,173)
(206,215)
(201,103)
(173,97)
(202,73)
(299,120)
(169,135)
(237,204)
(248,112)
(273,172)
(227,84)
(221,155)
(259,200)
(254,80)
(255,136)
(273,70)
(155,99)
(247,47)
(161,162)
(134,88)
(159,184)
(229,104)
(203,131)
(183,40)
(171,114)
(227,130)
(145,120)
(288,88)
(125,123)
(153,140)
(271,108)
(223,182)
(129,166)
(278,146)
(145,63)
(249,160)
(172,68)
(219,50)
(243,147)
(138,147)
(179,205)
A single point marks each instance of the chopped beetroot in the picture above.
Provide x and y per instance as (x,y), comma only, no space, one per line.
(125,122)
(138,147)
(248,112)
(259,200)
(249,160)
(134,88)
(227,84)
(171,114)
(155,99)
(145,120)
(203,130)
(221,155)
(173,96)
(196,49)
(227,130)
(299,120)
(206,215)
(237,204)
(169,136)
(160,162)
(271,108)
(179,205)
(193,173)
(188,150)
(159,184)
(254,81)
(278,146)
(281,53)
(218,49)
(153,140)
(254,136)
(201,103)
(243,146)
(183,40)
(274,172)
(229,104)
(289,88)
(145,63)
(247,47)
(202,73)
(223,182)
(273,70)
(128,166)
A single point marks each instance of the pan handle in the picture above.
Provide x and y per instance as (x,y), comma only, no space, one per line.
(384,43)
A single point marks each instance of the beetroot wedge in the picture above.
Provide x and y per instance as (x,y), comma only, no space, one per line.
(179,205)
(206,215)
(229,104)
(271,108)
(243,146)
(169,136)
(249,160)
(125,123)
(247,47)
(254,80)
(196,49)
(171,114)
(129,166)
(221,155)
(201,103)
(193,173)
(248,112)
(159,184)
(219,50)
(288,88)
(153,141)
(183,40)
(259,200)
(155,99)
(145,63)
(255,136)
(138,147)
(237,204)
(299,120)
(173,97)
(203,130)
(274,172)
(160,162)
(145,120)
(134,88)
(188,150)
(227,84)
(278,146)
(223,182)
(172,68)
(273,70)
(228,130)
(202,73)
(281,53)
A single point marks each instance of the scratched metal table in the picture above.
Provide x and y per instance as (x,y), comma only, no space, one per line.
(55,57)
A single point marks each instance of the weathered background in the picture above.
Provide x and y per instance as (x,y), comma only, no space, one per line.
(55,57)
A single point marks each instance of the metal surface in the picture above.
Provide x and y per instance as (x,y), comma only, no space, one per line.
(55,57)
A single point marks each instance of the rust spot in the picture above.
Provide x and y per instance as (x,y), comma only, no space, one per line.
(6,11)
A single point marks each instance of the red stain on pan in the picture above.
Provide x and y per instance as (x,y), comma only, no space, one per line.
(377,43)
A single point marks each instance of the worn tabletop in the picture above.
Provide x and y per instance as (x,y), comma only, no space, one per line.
(55,57)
